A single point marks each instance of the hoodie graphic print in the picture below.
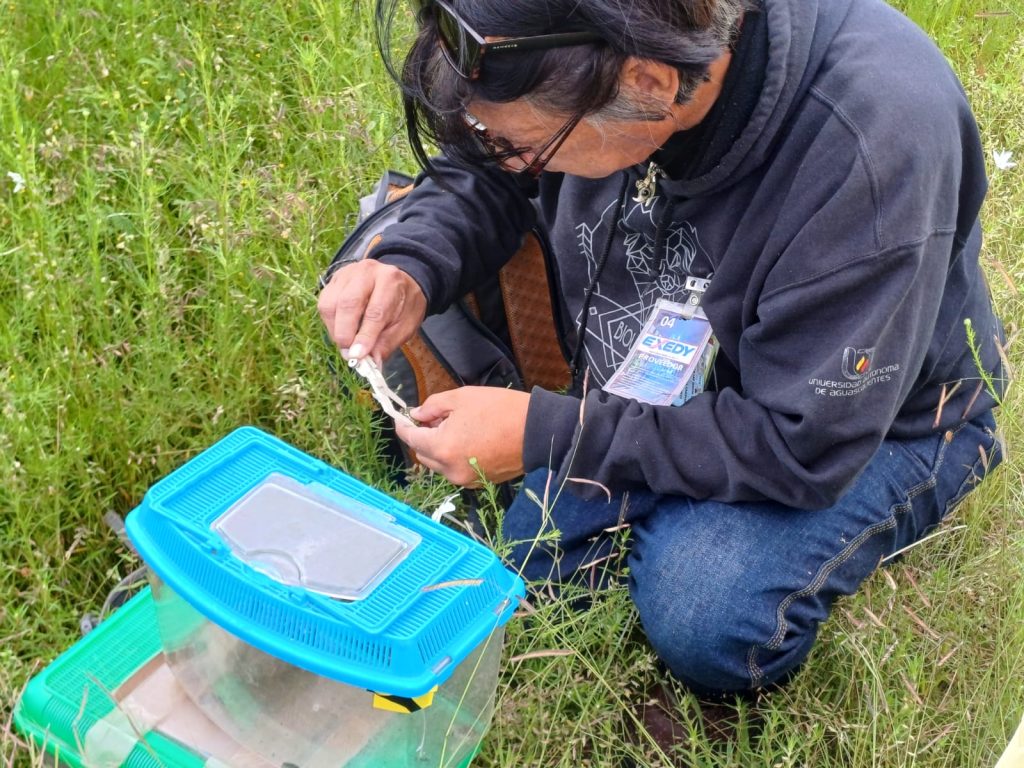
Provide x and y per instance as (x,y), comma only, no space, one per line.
(655,270)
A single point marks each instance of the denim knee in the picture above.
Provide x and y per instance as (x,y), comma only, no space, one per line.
(710,652)
(709,608)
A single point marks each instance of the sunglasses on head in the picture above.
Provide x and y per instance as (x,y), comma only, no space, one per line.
(464,47)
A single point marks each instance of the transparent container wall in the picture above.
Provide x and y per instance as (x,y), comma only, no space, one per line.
(290,716)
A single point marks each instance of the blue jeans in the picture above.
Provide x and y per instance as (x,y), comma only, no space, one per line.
(730,595)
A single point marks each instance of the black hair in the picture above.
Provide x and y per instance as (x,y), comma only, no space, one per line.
(572,80)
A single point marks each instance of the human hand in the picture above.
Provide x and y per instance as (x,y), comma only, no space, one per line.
(481,423)
(370,308)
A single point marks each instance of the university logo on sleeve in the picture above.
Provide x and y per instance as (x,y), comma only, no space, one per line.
(857,362)
(860,372)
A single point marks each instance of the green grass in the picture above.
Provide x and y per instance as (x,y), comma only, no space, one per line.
(189,169)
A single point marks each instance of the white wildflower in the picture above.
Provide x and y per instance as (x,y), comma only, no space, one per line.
(1003,159)
(446,507)
(18,179)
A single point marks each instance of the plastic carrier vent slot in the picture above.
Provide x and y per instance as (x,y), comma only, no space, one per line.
(107,672)
(443,631)
(140,757)
(64,716)
(195,500)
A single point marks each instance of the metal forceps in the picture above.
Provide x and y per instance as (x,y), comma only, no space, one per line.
(392,404)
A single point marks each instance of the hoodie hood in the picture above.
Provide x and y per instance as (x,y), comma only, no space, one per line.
(799,34)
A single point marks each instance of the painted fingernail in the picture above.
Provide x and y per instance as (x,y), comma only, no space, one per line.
(356,352)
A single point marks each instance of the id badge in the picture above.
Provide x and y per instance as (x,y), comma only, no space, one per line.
(671,359)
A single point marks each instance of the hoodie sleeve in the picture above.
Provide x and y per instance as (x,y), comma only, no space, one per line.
(457,229)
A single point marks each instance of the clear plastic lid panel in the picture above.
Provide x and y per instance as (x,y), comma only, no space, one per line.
(313,537)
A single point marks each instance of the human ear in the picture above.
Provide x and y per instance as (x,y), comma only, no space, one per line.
(653,81)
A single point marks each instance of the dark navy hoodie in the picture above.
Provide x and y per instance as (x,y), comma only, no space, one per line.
(838,225)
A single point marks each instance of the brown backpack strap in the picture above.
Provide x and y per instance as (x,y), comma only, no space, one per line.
(531,324)
(373,244)
(431,375)
(398,191)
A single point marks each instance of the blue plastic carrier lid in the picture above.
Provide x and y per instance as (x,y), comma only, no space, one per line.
(312,566)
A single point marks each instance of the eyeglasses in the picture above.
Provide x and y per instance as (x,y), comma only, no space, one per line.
(464,47)
(502,150)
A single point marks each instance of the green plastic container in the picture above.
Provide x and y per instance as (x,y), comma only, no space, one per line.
(67,707)
(111,701)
